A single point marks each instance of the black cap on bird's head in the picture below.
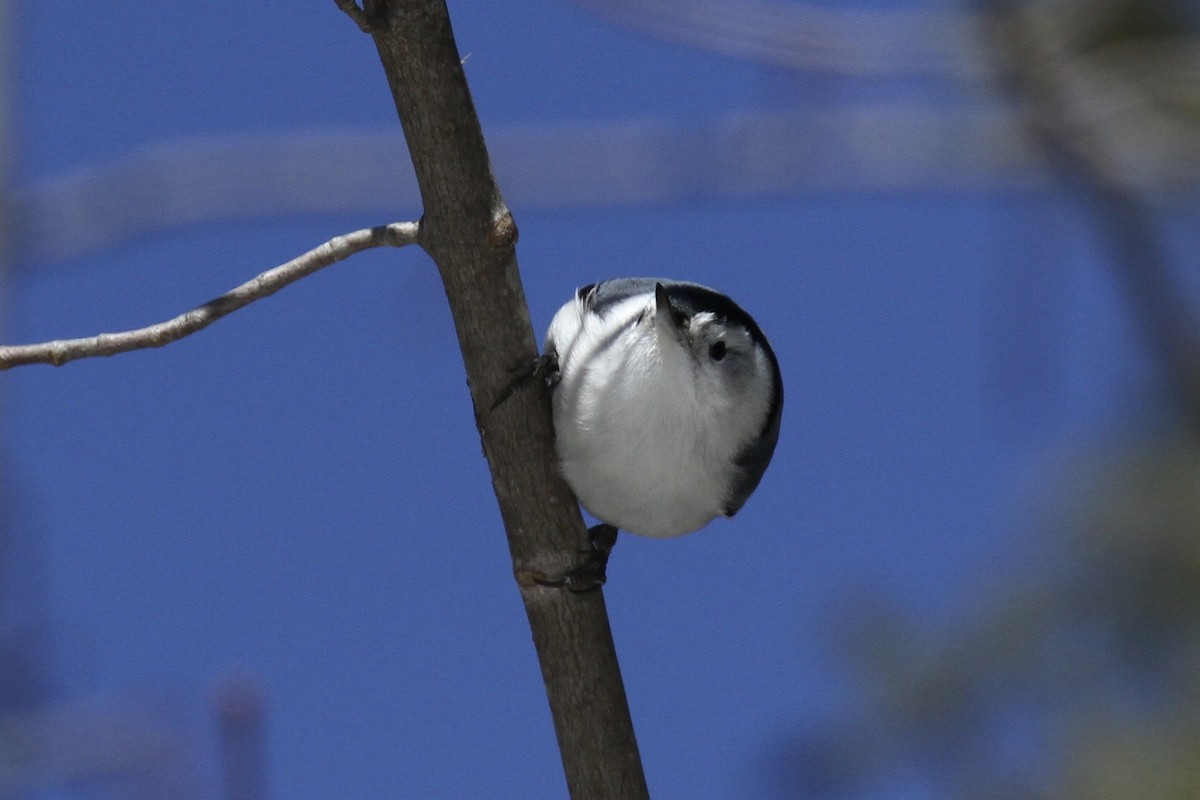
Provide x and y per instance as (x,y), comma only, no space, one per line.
(667,315)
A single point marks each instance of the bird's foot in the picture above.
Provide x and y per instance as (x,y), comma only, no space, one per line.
(544,367)
(591,572)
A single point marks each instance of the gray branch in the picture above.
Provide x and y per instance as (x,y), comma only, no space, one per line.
(468,231)
(61,351)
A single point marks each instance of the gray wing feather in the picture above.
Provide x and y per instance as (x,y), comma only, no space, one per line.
(754,459)
(600,297)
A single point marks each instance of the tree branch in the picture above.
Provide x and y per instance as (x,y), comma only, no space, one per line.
(1032,70)
(367,23)
(468,231)
(61,351)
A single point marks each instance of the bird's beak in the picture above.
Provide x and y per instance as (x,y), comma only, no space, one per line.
(666,316)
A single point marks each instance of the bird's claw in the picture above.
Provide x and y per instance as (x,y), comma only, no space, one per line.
(545,367)
(591,572)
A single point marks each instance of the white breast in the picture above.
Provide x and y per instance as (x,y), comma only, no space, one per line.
(632,436)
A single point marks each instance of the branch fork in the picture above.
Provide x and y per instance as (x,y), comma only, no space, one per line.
(62,351)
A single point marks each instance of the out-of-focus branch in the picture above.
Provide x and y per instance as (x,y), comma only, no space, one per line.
(741,154)
(468,231)
(810,36)
(61,351)
(1033,65)
(240,716)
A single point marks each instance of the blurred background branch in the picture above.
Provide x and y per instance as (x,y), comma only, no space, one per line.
(1078,678)
(807,36)
(1093,88)
(1138,103)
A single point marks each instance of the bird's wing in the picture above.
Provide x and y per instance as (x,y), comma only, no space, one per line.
(602,296)
(753,461)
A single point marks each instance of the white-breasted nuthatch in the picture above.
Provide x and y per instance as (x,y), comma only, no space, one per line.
(667,401)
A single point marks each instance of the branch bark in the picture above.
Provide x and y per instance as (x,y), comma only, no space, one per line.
(469,232)
(61,351)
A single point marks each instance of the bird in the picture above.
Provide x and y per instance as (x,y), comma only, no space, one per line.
(667,401)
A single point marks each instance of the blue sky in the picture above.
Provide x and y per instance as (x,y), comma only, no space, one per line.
(297,496)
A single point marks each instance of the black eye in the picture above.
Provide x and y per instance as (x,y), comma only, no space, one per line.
(716,351)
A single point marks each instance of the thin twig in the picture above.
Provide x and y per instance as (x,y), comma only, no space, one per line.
(367,22)
(61,351)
